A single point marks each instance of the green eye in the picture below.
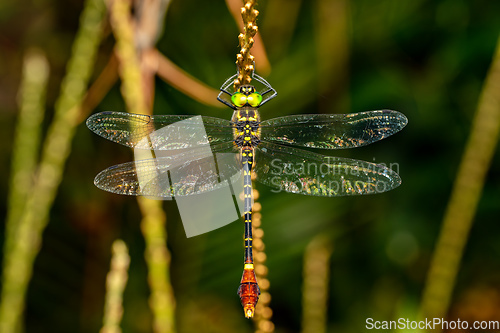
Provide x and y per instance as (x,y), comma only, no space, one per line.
(254,99)
(239,99)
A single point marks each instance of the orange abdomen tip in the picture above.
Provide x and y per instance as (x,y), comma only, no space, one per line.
(249,292)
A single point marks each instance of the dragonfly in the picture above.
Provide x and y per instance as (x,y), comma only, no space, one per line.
(264,149)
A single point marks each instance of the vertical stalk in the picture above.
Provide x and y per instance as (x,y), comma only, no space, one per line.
(131,88)
(263,312)
(315,288)
(263,66)
(115,284)
(464,197)
(244,60)
(162,300)
(153,220)
(18,263)
(27,139)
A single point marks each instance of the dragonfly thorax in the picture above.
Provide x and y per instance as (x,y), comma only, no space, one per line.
(246,127)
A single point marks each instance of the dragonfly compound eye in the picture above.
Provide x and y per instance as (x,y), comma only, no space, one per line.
(254,99)
(239,99)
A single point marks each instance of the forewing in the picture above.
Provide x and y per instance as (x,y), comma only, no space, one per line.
(303,172)
(333,131)
(138,131)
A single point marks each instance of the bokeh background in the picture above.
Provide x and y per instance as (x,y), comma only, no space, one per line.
(426,59)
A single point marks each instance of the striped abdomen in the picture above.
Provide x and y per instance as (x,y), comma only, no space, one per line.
(249,289)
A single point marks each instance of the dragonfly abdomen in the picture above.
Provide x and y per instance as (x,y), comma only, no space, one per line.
(249,289)
(247,161)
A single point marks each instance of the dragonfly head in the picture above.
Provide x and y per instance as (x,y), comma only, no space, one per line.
(246,95)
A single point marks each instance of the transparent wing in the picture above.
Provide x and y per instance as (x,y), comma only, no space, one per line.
(299,171)
(333,131)
(186,173)
(132,130)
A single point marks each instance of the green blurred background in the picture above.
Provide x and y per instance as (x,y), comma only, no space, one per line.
(426,59)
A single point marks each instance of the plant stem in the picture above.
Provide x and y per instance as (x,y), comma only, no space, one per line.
(464,198)
(18,263)
(153,221)
(115,284)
